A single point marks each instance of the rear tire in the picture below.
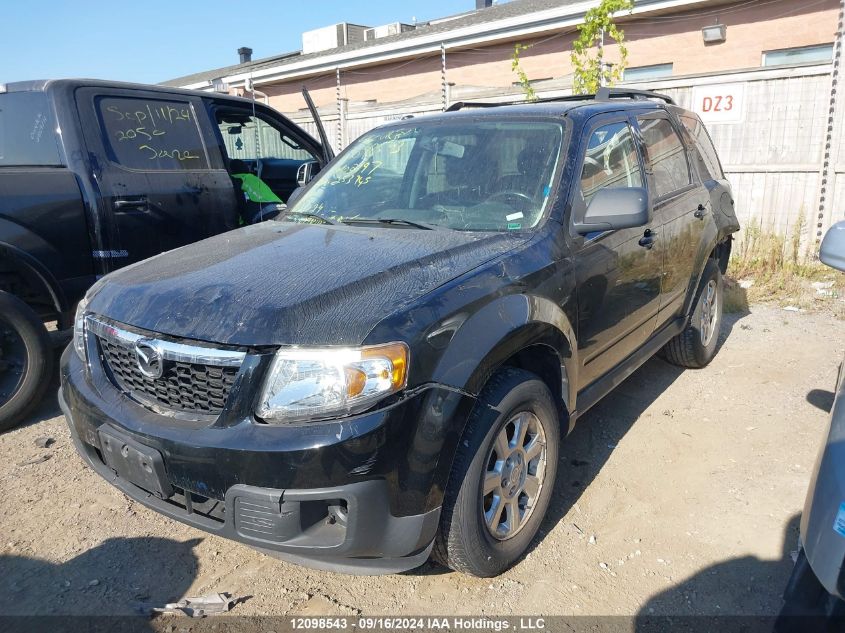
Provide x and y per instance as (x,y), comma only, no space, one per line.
(502,477)
(26,360)
(696,346)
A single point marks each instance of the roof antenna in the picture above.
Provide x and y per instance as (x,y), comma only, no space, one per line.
(251,87)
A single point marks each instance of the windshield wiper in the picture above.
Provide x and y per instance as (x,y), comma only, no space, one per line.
(320,219)
(417,225)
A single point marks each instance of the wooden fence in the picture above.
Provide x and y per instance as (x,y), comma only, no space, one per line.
(771,127)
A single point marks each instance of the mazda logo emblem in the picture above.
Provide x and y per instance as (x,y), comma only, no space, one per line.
(148,358)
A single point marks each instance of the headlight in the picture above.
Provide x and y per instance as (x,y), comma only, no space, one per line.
(79,328)
(307,384)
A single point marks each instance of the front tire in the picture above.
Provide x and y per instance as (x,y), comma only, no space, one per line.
(696,346)
(26,360)
(502,478)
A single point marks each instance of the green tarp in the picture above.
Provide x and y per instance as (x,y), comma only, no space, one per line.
(256,190)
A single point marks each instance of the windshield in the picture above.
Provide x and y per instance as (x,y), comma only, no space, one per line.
(465,175)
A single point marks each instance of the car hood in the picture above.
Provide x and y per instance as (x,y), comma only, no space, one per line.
(283,283)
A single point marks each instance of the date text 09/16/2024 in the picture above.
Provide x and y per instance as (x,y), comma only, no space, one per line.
(454,623)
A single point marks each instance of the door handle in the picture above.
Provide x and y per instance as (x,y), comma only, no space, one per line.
(131,203)
(648,239)
(700,212)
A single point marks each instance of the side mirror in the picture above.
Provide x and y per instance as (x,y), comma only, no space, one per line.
(306,172)
(612,209)
(832,251)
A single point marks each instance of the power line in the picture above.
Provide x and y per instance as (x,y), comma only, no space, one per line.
(391,69)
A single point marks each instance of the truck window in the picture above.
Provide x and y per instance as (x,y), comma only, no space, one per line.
(27,130)
(666,153)
(703,151)
(151,134)
(247,137)
(261,156)
(610,161)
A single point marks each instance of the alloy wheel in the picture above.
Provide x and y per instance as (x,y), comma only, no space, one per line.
(709,312)
(513,478)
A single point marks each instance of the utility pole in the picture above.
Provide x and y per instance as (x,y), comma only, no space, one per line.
(444,87)
(602,76)
(341,114)
(827,171)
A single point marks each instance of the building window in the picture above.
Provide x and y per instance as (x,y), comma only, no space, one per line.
(641,73)
(802,55)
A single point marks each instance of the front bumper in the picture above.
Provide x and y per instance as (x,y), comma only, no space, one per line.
(360,495)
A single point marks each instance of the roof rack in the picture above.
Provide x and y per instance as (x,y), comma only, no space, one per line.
(606,94)
(603,94)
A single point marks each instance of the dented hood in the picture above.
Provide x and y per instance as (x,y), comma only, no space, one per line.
(282,283)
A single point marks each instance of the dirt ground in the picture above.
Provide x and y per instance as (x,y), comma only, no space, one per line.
(678,494)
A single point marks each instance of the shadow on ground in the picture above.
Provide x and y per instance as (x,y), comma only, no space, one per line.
(729,588)
(121,576)
(585,451)
(821,399)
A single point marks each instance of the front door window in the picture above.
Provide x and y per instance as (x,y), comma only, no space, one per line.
(262,158)
(610,160)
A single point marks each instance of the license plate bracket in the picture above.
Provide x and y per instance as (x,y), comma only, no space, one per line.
(135,462)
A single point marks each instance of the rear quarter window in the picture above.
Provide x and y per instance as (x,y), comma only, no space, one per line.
(28,134)
(151,134)
(703,153)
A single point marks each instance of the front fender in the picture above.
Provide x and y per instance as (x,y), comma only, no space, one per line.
(477,348)
(500,329)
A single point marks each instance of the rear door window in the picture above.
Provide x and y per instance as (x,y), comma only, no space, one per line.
(28,134)
(667,155)
(151,134)
(703,152)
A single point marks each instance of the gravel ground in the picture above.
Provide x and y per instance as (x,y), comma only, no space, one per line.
(678,494)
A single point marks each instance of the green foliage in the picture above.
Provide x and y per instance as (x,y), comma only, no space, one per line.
(590,70)
(530,94)
(776,268)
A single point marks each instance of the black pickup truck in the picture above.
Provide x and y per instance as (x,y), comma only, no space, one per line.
(388,371)
(97,175)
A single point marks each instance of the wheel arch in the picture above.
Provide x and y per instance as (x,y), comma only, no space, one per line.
(518,330)
(38,283)
(715,249)
(722,253)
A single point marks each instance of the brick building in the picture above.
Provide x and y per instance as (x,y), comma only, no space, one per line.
(400,62)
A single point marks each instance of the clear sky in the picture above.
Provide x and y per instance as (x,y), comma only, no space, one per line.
(155,40)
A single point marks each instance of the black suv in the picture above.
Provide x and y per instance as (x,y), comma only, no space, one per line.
(96,175)
(388,371)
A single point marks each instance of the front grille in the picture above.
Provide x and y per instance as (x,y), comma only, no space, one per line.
(193,380)
(182,386)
